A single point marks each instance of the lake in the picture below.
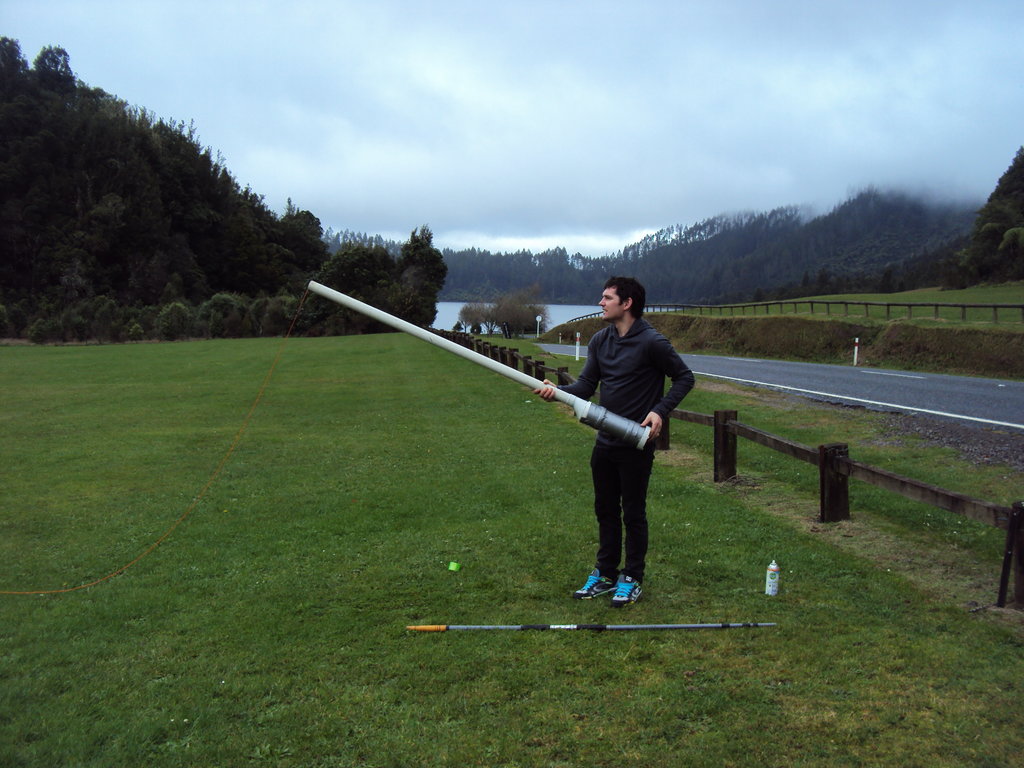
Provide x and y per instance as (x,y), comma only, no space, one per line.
(448,313)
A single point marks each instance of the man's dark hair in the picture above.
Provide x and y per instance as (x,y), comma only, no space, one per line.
(629,288)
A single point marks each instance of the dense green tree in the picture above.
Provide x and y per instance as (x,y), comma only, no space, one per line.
(272,316)
(996,248)
(223,315)
(174,321)
(13,68)
(406,287)
(53,71)
(420,273)
(302,235)
(519,311)
(472,316)
(363,272)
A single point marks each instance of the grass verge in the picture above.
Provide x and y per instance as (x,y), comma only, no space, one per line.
(269,628)
(973,346)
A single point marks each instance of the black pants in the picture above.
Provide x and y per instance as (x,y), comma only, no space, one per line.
(621,476)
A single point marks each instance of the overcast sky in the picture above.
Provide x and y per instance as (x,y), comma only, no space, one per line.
(577,124)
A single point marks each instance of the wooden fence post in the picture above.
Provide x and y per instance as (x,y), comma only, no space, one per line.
(1018,563)
(725,447)
(1013,558)
(664,440)
(834,485)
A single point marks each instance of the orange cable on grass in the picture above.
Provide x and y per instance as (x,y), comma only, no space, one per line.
(203,490)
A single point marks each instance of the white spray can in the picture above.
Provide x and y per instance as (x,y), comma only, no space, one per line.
(771,581)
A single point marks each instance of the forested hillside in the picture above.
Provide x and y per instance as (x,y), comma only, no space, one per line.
(103,203)
(874,241)
(117,225)
(877,241)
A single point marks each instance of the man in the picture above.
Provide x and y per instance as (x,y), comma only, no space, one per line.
(630,360)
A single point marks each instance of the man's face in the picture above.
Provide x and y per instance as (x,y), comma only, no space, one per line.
(613,307)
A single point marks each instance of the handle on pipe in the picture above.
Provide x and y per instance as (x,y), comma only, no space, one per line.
(589,413)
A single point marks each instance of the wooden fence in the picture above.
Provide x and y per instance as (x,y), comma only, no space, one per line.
(979,312)
(835,467)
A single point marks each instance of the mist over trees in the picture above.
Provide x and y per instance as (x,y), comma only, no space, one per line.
(875,241)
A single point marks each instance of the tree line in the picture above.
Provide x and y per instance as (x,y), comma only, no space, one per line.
(117,225)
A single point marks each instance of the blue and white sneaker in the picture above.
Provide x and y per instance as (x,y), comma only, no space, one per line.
(595,585)
(626,591)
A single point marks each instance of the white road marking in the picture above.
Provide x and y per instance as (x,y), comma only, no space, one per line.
(865,402)
(900,375)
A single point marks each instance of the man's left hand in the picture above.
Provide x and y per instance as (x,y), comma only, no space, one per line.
(653,421)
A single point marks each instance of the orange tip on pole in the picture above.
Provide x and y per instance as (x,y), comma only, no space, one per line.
(428,628)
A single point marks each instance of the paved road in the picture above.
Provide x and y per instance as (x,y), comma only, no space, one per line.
(987,402)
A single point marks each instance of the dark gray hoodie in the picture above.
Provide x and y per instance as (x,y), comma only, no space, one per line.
(631,371)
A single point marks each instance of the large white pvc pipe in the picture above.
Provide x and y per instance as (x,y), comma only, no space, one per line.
(589,413)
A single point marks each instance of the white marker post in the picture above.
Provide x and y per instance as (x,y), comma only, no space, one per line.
(577,345)
(856,347)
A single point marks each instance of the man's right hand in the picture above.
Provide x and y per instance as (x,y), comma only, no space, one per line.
(546,392)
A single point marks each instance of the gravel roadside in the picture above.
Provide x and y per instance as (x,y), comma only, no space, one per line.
(977,444)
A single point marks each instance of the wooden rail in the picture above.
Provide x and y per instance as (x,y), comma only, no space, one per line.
(937,310)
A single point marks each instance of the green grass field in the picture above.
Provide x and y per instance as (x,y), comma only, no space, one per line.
(269,627)
(1002,293)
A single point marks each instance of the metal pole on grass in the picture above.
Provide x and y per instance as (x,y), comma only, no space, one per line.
(593,627)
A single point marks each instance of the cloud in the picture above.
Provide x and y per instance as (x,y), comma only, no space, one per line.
(526,122)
